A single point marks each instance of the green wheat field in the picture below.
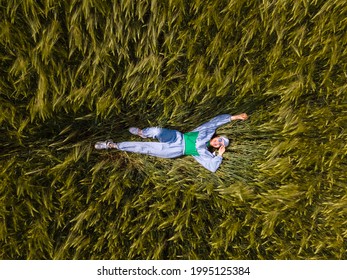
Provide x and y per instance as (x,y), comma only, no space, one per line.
(75,72)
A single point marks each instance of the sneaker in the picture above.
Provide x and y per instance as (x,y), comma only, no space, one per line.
(136,131)
(104,145)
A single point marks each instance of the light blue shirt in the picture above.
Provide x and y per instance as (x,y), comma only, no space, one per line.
(206,131)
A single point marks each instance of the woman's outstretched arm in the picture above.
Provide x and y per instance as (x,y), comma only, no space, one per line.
(221,120)
(241,117)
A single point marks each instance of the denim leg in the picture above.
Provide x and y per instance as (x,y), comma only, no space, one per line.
(163,150)
(164,135)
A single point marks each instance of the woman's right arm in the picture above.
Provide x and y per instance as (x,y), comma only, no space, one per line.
(241,117)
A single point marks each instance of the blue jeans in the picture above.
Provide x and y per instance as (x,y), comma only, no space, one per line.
(171,144)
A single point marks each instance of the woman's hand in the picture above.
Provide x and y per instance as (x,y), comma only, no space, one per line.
(241,117)
(221,150)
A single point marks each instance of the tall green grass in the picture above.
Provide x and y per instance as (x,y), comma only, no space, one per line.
(76,72)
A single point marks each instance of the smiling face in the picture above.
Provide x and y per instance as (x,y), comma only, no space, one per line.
(216,142)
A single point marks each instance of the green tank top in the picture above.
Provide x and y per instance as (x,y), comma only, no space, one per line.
(190,143)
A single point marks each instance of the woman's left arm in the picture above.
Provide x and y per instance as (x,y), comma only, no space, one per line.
(210,163)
